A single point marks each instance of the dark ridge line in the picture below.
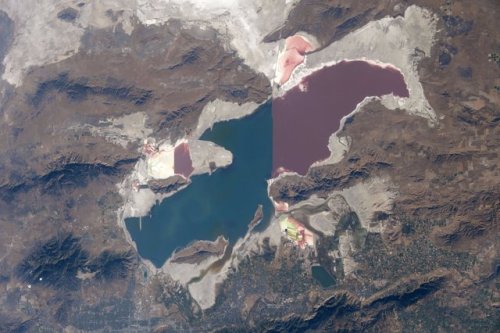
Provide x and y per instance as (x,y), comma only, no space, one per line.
(78,90)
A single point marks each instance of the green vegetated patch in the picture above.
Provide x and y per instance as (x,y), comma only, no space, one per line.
(383,261)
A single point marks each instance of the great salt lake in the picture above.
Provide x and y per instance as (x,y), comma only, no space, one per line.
(290,133)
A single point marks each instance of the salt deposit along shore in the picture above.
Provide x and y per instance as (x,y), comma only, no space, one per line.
(369,42)
(374,44)
(388,42)
(158,162)
(293,54)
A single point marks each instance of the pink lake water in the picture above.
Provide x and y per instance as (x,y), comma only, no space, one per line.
(182,160)
(303,121)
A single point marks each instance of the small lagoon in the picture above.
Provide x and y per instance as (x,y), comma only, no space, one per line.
(322,276)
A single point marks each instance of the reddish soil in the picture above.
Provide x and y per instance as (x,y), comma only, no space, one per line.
(304,120)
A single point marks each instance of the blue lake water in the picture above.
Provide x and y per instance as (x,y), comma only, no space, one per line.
(322,276)
(222,203)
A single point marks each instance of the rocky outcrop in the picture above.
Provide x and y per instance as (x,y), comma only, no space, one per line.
(322,180)
(259,213)
(54,263)
(109,265)
(79,89)
(346,312)
(168,185)
(199,251)
(330,22)
(62,263)
(65,172)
